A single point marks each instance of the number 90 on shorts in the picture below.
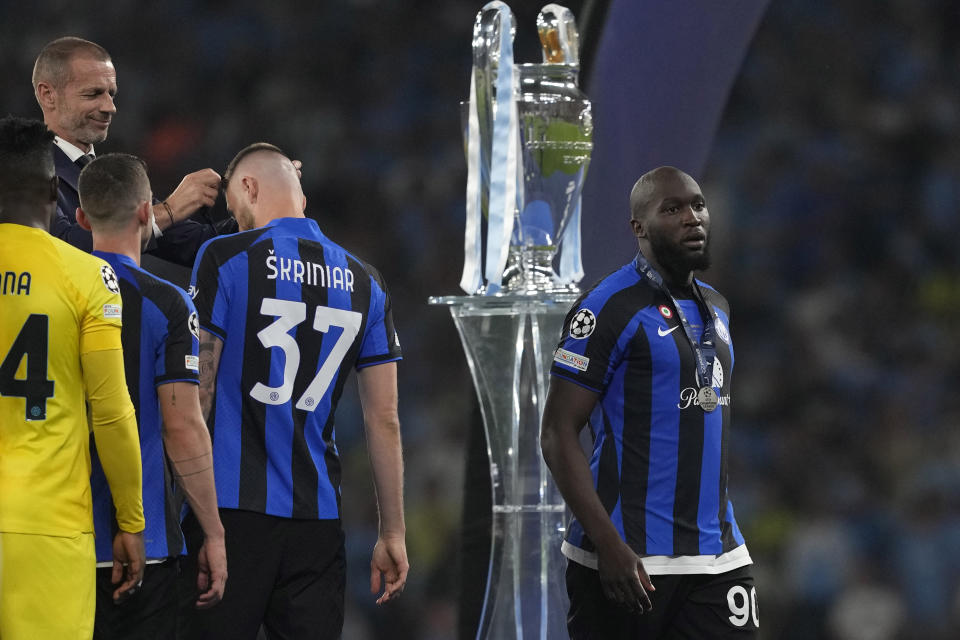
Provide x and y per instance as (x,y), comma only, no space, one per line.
(743,606)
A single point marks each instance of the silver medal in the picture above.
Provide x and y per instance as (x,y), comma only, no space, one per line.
(708,399)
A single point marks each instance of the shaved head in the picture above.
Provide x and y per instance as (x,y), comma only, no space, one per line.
(267,165)
(260,184)
(264,160)
(644,190)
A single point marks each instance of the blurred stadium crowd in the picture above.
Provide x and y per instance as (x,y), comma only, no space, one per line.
(834,185)
(838,170)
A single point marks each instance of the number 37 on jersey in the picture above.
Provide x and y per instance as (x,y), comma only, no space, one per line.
(289,315)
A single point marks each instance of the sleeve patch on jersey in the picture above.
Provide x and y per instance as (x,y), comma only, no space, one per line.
(193,291)
(571,359)
(583,324)
(109,279)
(112,311)
(194,323)
(192,363)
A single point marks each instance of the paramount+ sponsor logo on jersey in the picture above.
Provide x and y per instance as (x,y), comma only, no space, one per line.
(688,398)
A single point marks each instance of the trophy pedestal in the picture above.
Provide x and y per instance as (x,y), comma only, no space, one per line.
(509,342)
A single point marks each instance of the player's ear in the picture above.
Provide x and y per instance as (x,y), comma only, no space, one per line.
(143,213)
(82,219)
(638,229)
(250,188)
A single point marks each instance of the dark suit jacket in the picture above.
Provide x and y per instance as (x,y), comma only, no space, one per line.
(65,224)
(170,257)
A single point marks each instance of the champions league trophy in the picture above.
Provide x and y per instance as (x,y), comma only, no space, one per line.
(528,140)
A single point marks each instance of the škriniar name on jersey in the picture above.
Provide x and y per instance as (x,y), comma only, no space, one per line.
(296,313)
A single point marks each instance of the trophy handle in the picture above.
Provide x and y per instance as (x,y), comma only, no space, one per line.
(558,35)
(487,54)
(486,62)
(492,142)
(478,137)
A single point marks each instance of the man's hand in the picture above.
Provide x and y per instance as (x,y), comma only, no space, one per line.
(129,562)
(197,189)
(211,572)
(390,560)
(622,576)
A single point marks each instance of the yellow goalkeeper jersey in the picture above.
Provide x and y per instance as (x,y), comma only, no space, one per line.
(60,307)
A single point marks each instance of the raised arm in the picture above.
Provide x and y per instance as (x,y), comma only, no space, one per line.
(566,411)
(378,398)
(196,190)
(189,450)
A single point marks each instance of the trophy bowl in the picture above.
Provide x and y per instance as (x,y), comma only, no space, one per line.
(556,139)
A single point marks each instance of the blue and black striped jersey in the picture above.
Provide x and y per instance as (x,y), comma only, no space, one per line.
(659,461)
(160,343)
(296,312)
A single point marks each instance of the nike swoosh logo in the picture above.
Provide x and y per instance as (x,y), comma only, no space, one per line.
(663,333)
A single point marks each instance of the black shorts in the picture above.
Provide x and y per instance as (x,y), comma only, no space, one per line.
(288,575)
(684,607)
(149,614)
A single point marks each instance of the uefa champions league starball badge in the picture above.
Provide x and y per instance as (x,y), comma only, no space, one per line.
(708,399)
(582,324)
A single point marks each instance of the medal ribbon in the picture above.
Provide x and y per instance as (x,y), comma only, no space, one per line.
(705,350)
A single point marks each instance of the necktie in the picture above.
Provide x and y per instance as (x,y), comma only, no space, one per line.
(83,160)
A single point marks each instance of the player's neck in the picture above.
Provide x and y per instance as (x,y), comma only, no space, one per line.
(26,216)
(674,279)
(124,244)
(287,212)
(681,282)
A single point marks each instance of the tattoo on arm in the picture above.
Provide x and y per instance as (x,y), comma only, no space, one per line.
(210,349)
(192,465)
(182,460)
(191,473)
